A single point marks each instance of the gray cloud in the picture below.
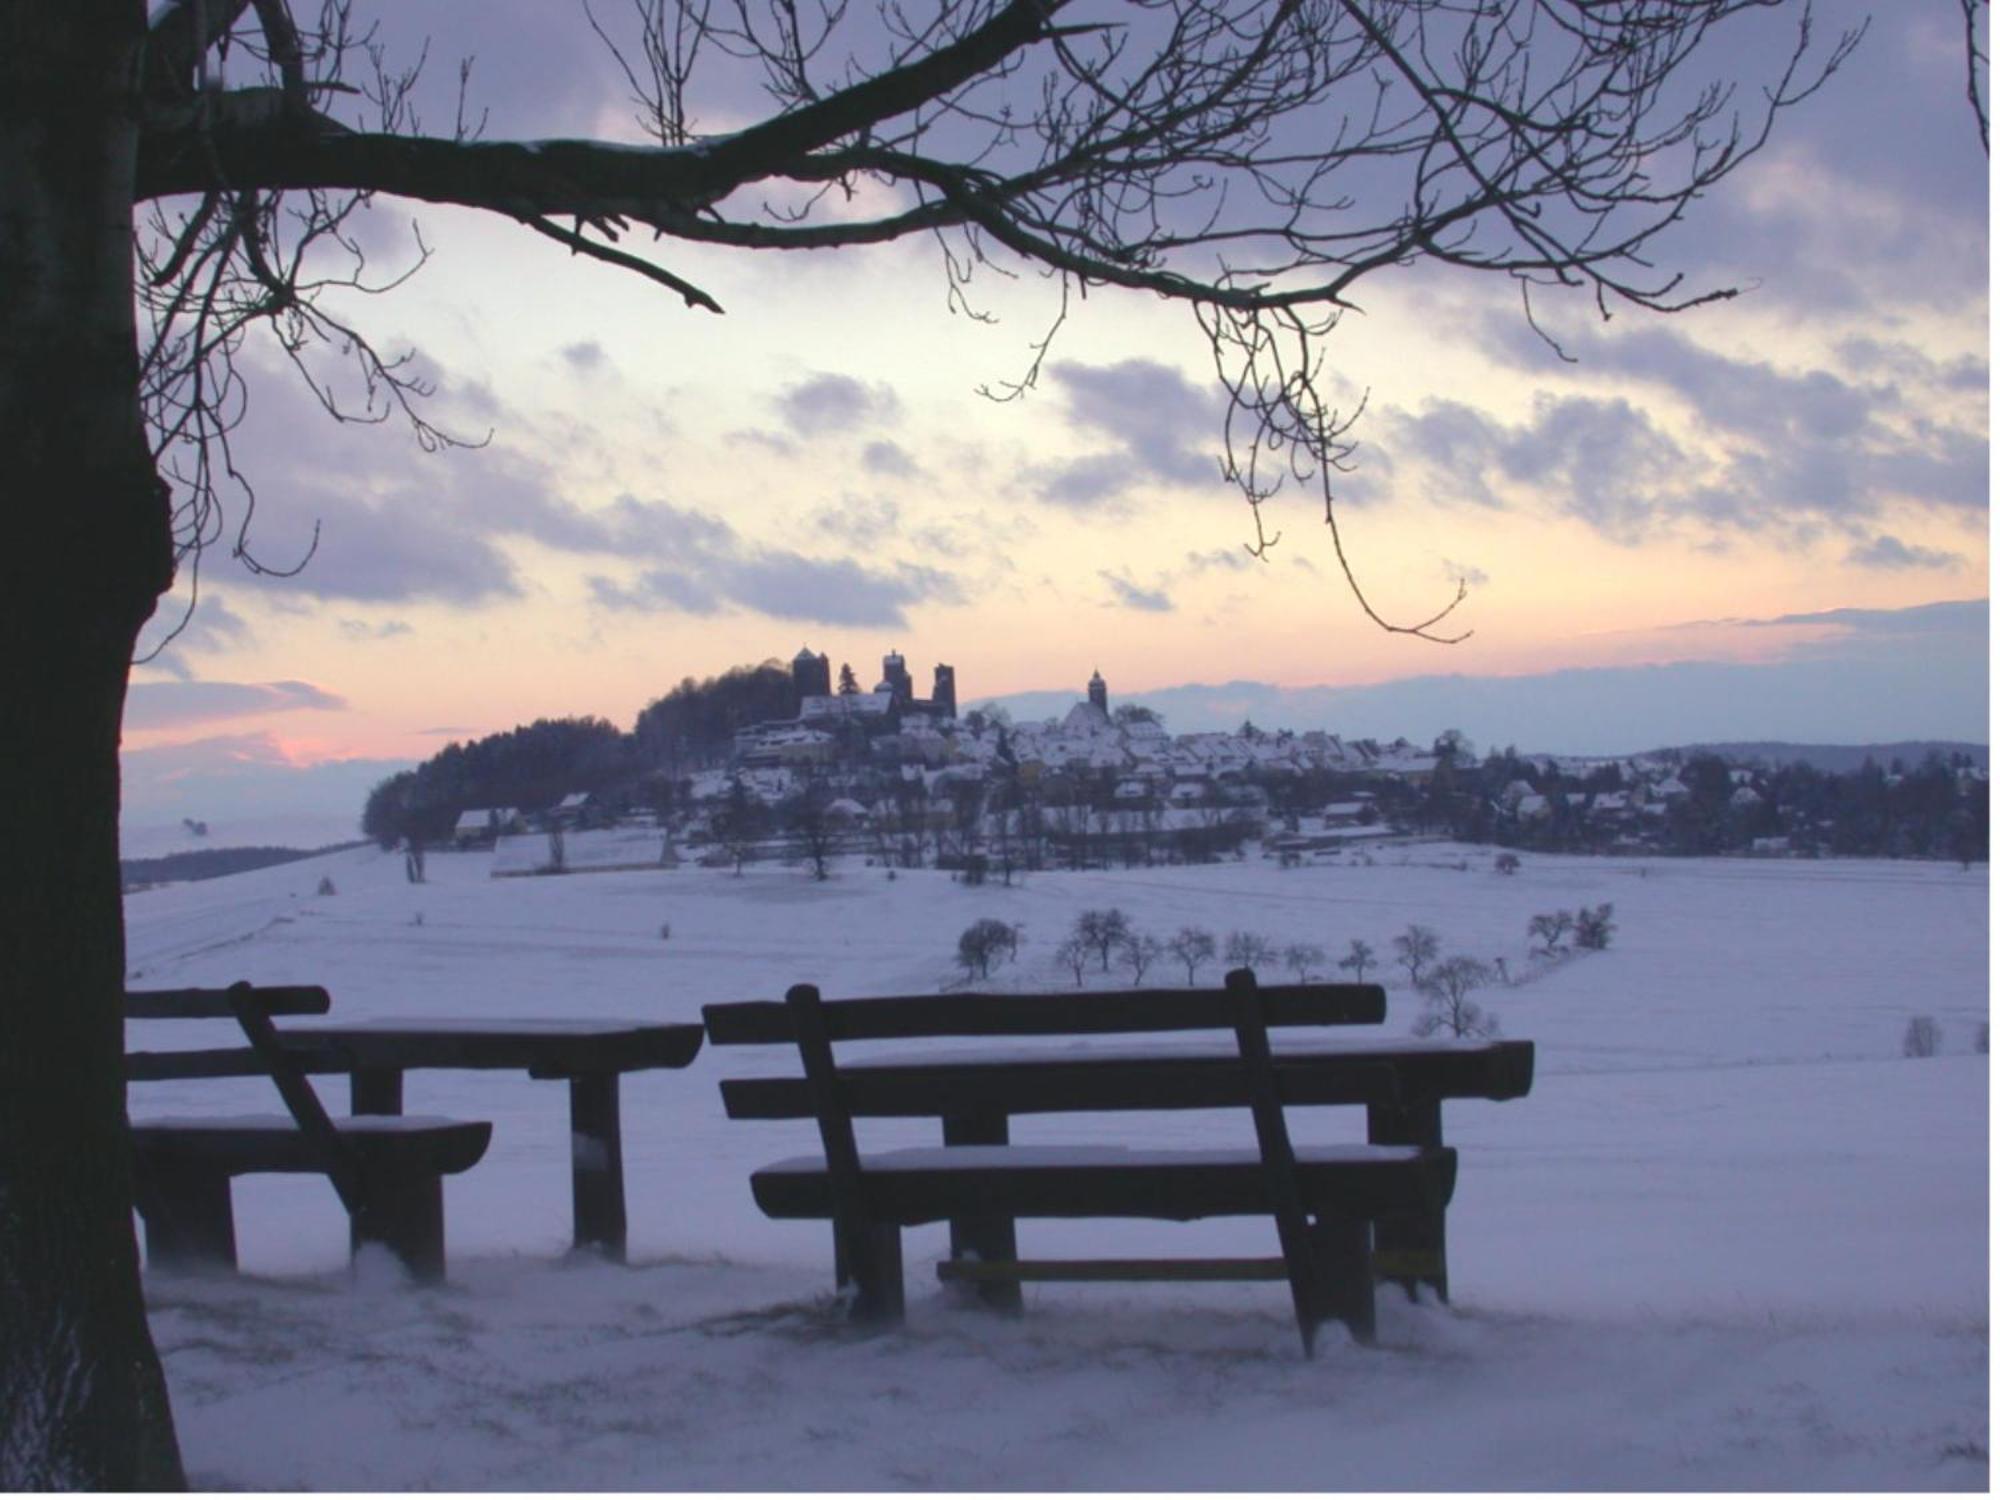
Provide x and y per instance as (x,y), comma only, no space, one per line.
(1159,419)
(1234,559)
(836,403)
(1747,397)
(1919,673)
(708,569)
(888,459)
(770,442)
(400,548)
(363,630)
(860,520)
(1132,596)
(1893,554)
(1454,445)
(1798,450)
(1603,461)
(586,357)
(1605,457)
(1467,573)
(397,530)
(1085,483)
(1955,618)
(168,705)
(1810,443)
(1874,194)
(1911,365)
(174,633)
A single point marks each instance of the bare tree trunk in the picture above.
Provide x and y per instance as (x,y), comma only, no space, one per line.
(83,1402)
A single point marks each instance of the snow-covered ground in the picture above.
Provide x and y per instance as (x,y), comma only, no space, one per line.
(1733,1239)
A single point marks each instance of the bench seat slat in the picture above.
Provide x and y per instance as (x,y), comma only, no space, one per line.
(275,1143)
(925,1185)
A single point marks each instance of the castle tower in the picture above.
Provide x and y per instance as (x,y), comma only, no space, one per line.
(944,692)
(896,678)
(1100,698)
(812,675)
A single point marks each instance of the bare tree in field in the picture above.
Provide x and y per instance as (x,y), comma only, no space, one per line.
(1303,958)
(1449,1006)
(984,944)
(814,837)
(1248,950)
(1549,928)
(1102,931)
(1255,160)
(1192,947)
(1416,945)
(1360,958)
(1138,951)
(1073,953)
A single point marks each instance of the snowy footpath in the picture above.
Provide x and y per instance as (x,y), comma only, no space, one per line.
(1732,1240)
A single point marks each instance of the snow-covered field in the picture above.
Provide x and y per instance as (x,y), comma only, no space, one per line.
(1733,1239)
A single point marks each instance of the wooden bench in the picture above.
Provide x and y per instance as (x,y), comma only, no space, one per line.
(1323,1200)
(387,1170)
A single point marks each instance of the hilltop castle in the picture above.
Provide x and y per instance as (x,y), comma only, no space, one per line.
(894,697)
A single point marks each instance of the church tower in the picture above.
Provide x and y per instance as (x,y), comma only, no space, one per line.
(896,678)
(944,692)
(1100,698)
(812,675)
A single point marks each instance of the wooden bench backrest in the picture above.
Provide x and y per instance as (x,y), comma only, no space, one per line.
(150,1066)
(198,1004)
(1090,1013)
(1242,1007)
(251,1006)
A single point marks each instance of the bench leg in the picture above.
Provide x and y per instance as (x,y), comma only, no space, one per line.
(1343,1276)
(1409,1248)
(987,1237)
(190,1221)
(375,1091)
(875,1271)
(406,1215)
(597,1165)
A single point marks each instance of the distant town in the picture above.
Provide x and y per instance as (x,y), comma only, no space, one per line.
(803,764)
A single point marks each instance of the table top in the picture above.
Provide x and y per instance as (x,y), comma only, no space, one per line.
(1149,1075)
(546,1047)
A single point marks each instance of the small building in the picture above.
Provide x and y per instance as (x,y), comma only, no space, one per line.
(480,828)
(568,813)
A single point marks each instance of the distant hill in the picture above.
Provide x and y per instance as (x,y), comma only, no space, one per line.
(1836,760)
(209,864)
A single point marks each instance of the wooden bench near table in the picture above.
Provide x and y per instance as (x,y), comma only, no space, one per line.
(388,1172)
(186,1164)
(1346,1216)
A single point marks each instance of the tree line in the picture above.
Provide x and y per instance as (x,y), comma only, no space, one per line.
(533,766)
(1926,811)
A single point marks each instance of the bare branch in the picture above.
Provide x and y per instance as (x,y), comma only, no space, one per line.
(1258,160)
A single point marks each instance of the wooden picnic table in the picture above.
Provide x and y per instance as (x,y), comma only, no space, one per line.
(591,1055)
(975,1091)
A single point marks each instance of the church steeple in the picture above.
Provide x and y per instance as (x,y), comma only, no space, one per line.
(1099,695)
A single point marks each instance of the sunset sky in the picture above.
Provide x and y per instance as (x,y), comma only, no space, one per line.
(1784,497)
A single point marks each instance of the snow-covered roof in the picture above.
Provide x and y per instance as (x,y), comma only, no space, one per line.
(847,705)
